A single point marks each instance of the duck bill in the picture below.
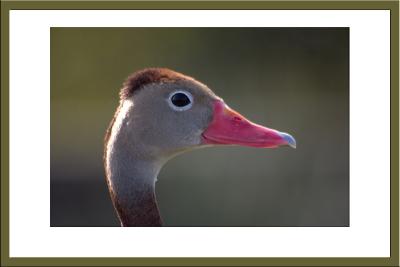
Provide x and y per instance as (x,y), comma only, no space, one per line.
(228,127)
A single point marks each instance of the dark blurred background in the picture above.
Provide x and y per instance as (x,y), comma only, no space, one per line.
(292,79)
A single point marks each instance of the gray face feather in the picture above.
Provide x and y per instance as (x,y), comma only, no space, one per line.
(156,129)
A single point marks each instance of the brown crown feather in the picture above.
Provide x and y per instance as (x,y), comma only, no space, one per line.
(139,79)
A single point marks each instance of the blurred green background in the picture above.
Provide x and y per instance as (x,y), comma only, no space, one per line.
(292,79)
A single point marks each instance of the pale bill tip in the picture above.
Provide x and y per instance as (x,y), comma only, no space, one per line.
(289,139)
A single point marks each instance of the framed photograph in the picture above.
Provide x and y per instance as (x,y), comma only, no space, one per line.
(199,133)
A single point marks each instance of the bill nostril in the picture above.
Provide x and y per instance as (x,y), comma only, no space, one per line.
(236,121)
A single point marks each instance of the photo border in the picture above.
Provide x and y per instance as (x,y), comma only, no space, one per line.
(393,6)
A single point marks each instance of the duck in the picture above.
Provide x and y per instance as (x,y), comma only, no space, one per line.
(163,113)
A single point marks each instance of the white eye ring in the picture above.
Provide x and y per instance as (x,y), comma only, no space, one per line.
(183,108)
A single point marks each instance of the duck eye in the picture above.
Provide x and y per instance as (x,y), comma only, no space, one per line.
(180,100)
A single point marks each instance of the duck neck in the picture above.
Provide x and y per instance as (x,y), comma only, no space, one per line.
(131,173)
(132,189)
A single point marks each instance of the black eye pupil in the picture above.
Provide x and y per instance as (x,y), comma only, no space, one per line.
(180,100)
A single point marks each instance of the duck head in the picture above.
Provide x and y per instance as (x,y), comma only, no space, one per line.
(163,113)
(170,113)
